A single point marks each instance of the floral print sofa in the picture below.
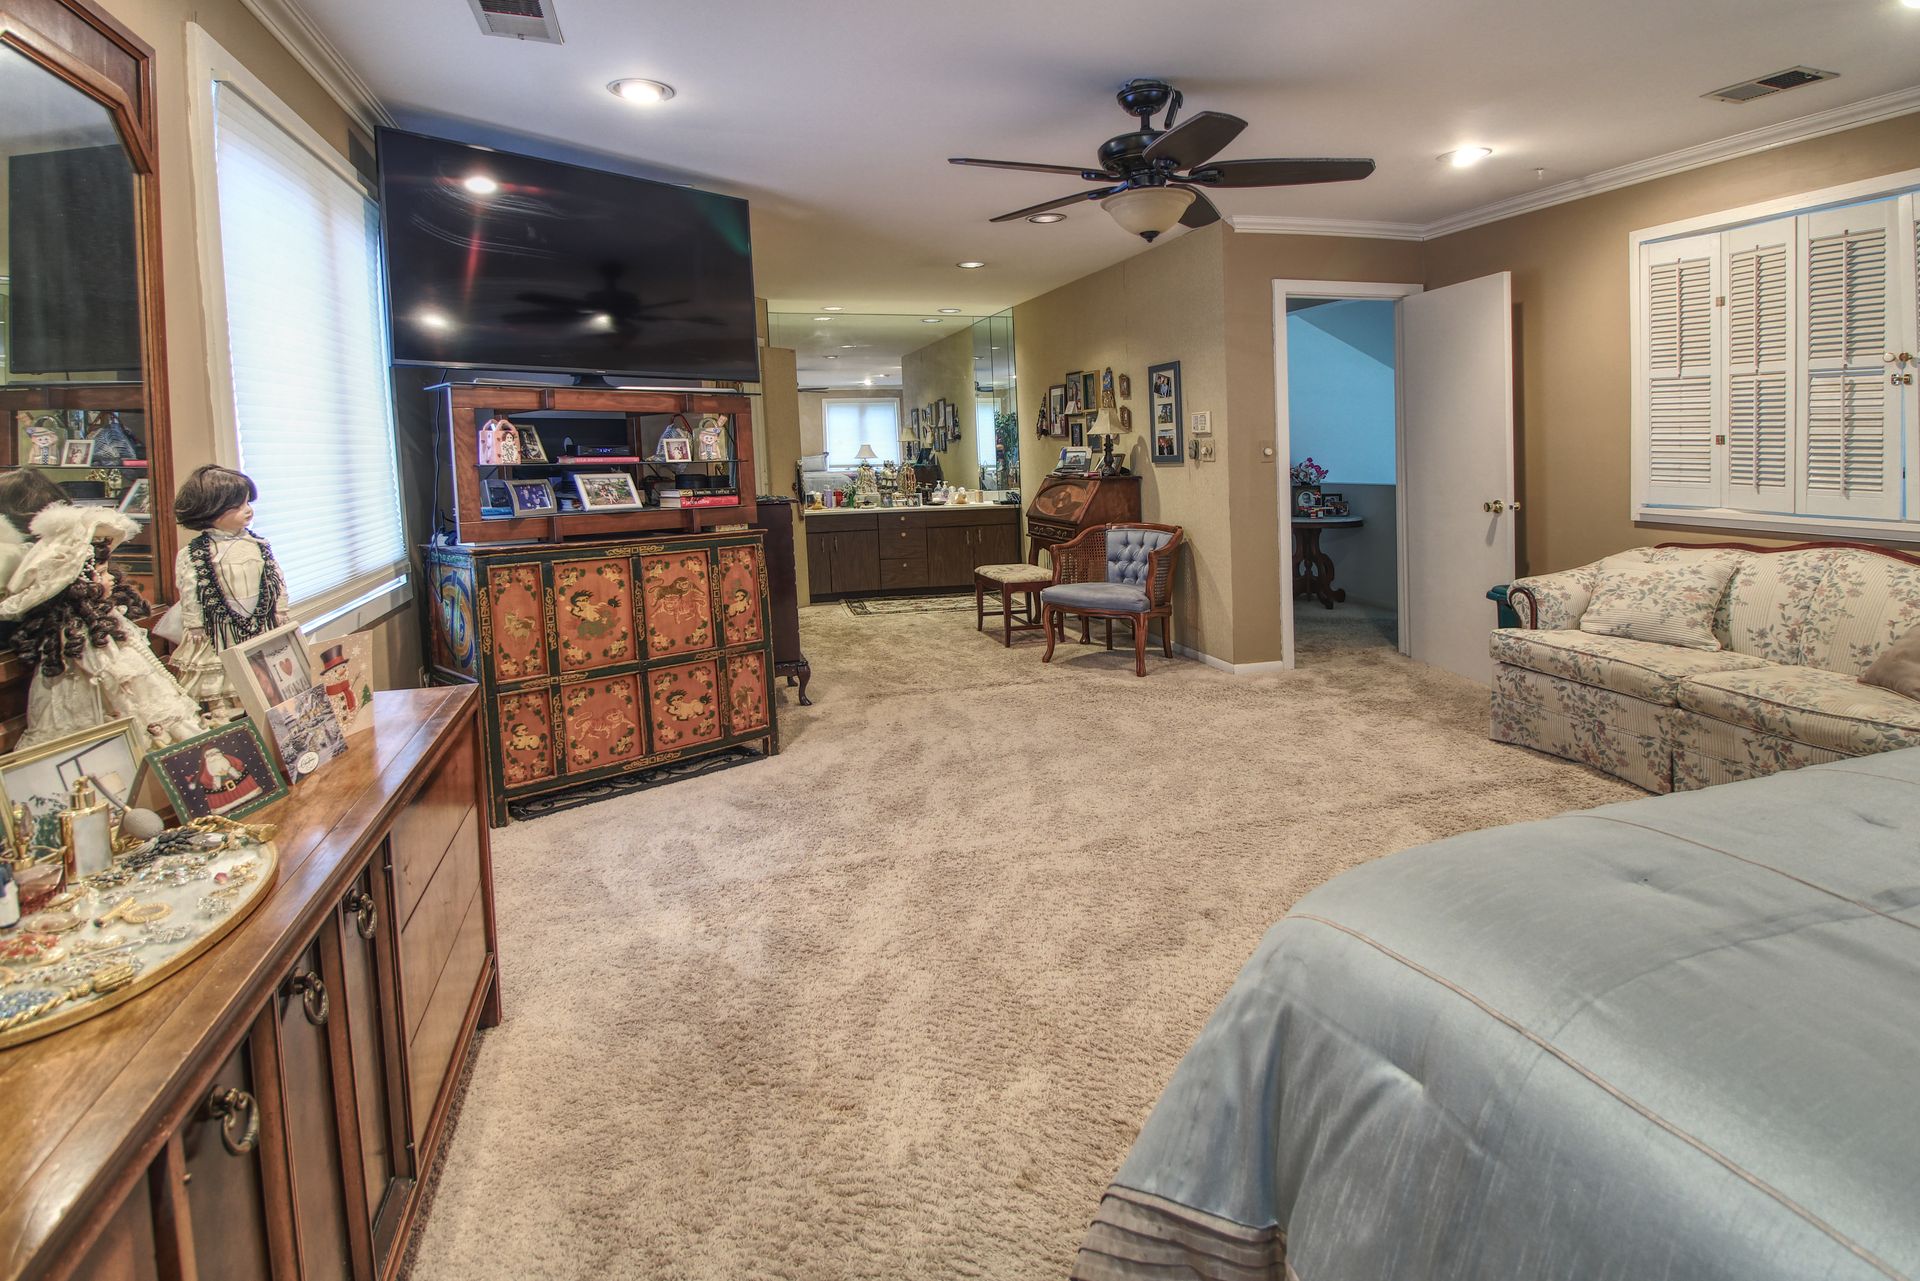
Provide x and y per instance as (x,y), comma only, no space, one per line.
(1796,627)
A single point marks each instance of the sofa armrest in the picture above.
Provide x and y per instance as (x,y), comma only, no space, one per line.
(1554,602)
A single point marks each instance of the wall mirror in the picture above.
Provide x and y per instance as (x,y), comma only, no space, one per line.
(82,386)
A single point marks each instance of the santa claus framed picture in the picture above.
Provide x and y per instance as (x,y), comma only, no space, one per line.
(226,772)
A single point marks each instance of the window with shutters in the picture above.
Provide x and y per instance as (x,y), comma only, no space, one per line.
(1773,365)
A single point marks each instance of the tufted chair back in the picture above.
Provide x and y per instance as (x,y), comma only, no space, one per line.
(1127,549)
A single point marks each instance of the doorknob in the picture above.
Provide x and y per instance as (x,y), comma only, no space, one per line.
(1496,507)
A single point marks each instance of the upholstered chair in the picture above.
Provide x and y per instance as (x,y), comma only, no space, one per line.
(1115,571)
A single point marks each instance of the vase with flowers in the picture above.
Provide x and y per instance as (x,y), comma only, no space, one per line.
(1307,477)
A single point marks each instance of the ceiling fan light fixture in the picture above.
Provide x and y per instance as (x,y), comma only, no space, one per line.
(1465,157)
(641,93)
(1148,211)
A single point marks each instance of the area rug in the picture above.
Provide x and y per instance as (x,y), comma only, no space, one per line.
(894,1002)
(876,606)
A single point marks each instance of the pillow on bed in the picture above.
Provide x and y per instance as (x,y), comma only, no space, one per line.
(1667,604)
(1898,667)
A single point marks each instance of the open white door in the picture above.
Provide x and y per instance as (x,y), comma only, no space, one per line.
(1456,468)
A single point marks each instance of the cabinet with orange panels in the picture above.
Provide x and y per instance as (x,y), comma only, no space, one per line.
(602,659)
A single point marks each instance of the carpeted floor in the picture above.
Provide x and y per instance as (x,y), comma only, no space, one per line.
(895,1002)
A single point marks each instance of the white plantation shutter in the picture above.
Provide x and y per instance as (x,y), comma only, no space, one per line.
(1680,401)
(1852,413)
(299,248)
(1762,443)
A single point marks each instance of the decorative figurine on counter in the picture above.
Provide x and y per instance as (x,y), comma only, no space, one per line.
(231,589)
(88,661)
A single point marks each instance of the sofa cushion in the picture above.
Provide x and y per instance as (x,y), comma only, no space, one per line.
(1863,603)
(1115,596)
(1641,669)
(1898,667)
(1808,705)
(1669,604)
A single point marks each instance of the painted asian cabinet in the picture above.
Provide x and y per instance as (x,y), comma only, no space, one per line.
(601,659)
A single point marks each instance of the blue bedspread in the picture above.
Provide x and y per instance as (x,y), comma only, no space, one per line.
(1676,1039)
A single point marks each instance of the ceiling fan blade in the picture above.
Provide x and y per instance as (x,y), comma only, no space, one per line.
(1091,175)
(1278,173)
(1077,197)
(1197,141)
(1201,211)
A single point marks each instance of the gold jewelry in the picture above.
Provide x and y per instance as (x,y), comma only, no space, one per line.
(111,978)
(145,913)
(51,922)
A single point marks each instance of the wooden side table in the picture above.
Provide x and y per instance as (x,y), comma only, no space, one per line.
(1312,567)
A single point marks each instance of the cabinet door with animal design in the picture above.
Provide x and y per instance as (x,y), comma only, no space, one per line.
(740,594)
(676,601)
(603,722)
(593,612)
(515,624)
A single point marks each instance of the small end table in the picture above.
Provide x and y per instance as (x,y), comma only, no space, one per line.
(1312,567)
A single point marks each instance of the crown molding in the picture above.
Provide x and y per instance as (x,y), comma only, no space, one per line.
(1279,225)
(1885,107)
(289,24)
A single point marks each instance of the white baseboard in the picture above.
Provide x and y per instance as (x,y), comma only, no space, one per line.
(1234,669)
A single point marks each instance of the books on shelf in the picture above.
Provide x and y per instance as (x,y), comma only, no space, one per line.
(576,460)
(684,498)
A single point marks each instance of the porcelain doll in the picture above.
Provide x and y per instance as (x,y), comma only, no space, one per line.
(89,662)
(231,589)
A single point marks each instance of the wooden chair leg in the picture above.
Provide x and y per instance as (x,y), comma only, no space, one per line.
(1139,647)
(1086,633)
(979,606)
(1049,618)
(1006,615)
(1166,635)
(1109,633)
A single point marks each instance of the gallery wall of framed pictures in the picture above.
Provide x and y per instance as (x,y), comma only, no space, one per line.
(1164,416)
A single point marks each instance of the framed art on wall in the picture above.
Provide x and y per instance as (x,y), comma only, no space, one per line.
(1164,416)
(1074,404)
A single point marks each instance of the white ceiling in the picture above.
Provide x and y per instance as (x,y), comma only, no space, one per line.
(836,121)
(848,350)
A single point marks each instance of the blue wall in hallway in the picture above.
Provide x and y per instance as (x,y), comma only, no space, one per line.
(1340,365)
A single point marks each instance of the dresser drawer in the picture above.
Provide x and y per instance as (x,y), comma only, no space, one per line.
(426,827)
(428,938)
(430,1053)
(904,573)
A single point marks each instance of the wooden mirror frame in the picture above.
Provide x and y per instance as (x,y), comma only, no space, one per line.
(84,46)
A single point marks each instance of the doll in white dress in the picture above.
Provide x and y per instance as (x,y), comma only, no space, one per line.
(89,663)
(230,586)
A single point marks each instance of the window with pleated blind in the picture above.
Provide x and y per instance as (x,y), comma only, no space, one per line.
(1774,370)
(306,346)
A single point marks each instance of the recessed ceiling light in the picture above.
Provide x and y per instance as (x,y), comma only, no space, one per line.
(833,309)
(1465,157)
(641,93)
(931,320)
(480,185)
(823,317)
(949,311)
(1048,218)
(969,266)
(831,357)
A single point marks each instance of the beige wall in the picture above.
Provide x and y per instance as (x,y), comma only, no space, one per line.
(944,371)
(1570,293)
(162,24)
(780,404)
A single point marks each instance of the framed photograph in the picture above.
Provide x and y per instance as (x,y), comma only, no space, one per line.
(306,734)
(77,453)
(1106,388)
(496,494)
(1126,418)
(533,497)
(1126,386)
(345,665)
(269,669)
(1163,388)
(1075,390)
(138,500)
(607,491)
(226,771)
(1077,433)
(1090,390)
(532,448)
(676,449)
(1056,401)
(41,778)
(1075,461)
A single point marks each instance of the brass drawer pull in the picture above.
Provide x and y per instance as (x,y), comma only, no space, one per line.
(366,915)
(227,1107)
(313,996)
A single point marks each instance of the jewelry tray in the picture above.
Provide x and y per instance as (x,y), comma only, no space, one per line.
(66,998)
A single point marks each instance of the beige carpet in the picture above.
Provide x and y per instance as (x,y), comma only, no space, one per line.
(895,1003)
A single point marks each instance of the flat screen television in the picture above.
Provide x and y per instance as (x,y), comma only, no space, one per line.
(508,262)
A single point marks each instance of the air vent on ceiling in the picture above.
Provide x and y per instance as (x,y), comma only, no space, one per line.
(518,19)
(1762,86)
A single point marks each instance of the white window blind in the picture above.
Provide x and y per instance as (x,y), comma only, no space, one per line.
(848,424)
(306,334)
(1761,440)
(1851,419)
(1680,361)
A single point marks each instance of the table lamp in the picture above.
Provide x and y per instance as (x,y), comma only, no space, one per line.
(1103,429)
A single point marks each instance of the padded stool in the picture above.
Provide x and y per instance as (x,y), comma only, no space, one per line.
(1008,579)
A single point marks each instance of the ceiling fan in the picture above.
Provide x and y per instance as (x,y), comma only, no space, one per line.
(1152,177)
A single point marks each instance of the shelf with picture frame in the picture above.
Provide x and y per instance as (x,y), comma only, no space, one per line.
(638,434)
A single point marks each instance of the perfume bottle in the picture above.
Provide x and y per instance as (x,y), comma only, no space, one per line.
(86,831)
(9,898)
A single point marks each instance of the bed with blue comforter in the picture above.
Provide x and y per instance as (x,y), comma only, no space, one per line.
(1676,1039)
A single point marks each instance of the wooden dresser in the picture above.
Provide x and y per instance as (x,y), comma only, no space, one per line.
(269,1111)
(1066,505)
(863,551)
(600,659)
